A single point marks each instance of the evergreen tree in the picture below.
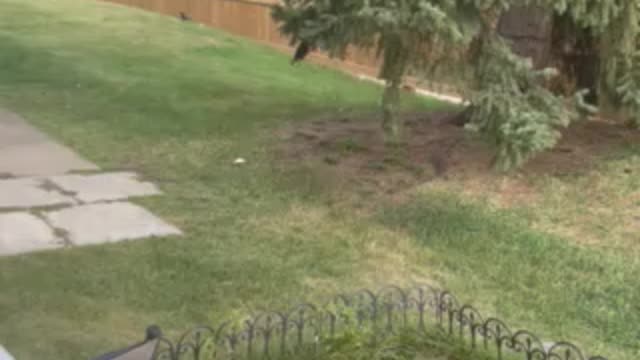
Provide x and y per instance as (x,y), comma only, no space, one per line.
(406,34)
(620,73)
(510,101)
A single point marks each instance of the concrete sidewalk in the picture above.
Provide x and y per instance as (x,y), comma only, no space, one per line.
(44,205)
(26,151)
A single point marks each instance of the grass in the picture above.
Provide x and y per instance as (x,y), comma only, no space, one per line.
(597,208)
(355,344)
(178,103)
(608,218)
(541,282)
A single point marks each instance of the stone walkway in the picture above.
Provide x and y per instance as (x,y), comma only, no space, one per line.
(26,151)
(45,204)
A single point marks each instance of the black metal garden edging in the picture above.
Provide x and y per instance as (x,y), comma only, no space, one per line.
(273,334)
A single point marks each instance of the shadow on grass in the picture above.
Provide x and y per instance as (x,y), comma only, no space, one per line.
(531,279)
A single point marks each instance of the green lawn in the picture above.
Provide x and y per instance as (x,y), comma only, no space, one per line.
(177,103)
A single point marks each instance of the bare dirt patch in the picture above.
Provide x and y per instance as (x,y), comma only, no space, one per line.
(583,145)
(352,150)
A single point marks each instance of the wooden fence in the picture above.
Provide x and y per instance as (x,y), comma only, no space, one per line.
(251,19)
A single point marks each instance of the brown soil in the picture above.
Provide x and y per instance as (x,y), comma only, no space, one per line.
(352,148)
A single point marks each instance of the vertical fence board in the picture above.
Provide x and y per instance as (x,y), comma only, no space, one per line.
(200,10)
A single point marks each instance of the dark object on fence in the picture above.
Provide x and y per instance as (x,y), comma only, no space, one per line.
(301,52)
(145,350)
(184,17)
(303,328)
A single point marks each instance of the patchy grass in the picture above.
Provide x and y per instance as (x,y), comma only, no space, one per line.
(177,103)
(598,207)
(538,281)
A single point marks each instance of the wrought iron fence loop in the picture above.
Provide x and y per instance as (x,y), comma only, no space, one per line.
(528,343)
(564,351)
(306,326)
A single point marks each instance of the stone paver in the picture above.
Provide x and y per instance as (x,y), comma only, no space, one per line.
(21,232)
(26,151)
(104,187)
(108,222)
(34,176)
(27,193)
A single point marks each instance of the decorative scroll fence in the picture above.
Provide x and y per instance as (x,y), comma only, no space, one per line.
(275,335)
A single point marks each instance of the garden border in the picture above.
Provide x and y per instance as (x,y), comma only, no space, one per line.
(271,334)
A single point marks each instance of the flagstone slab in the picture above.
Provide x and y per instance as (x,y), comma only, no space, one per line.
(46,204)
(108,222)
(104,187)
(26,151)
(28,193)
(22,232)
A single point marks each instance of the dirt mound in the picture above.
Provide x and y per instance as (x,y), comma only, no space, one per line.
(437,147)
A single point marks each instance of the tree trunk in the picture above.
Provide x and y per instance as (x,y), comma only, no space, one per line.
(554,41)
(392,124)
(528,28)
(396,57)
